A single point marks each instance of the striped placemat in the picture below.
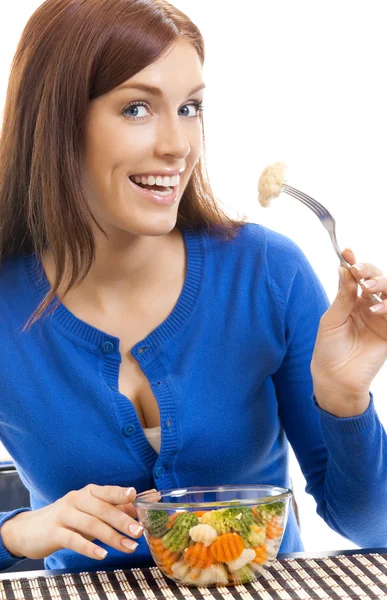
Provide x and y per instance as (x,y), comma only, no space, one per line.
(358,576)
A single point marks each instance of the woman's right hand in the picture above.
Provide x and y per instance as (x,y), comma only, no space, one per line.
(93,512)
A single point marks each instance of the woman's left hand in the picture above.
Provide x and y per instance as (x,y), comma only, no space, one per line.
(351,344)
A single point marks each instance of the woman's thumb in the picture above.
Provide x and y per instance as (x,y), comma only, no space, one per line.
(345,300)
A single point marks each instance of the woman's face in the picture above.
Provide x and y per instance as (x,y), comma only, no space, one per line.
(133,133)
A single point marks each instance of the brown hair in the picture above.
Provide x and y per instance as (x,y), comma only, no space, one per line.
(71,52)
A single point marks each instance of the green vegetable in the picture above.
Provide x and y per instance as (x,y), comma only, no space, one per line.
(230,520)
(177,538)
(243,575)
(265,512)
(256,538)
(156,523)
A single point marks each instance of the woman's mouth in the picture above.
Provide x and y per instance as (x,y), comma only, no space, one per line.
(162,190)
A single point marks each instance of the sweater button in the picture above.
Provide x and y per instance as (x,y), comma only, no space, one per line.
(159,471)
(107,347)
(129,430)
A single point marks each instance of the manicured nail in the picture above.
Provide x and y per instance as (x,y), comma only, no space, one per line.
(129,544)
(370,283)
(135,529)
(100,552)
(359,267)
(129,491)
(377,307)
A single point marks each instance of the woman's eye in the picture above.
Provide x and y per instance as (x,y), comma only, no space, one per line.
(136,111)
(191,110)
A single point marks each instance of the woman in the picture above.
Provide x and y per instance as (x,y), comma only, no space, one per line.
(171,314)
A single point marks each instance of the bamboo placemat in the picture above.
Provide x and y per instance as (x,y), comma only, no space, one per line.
(354,577)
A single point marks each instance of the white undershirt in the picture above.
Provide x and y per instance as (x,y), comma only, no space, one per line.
(153,435)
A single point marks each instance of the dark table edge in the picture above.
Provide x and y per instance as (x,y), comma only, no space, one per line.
(48,573)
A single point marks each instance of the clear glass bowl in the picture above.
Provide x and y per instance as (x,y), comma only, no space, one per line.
(206,536)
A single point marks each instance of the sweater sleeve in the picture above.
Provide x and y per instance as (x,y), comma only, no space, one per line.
(344,460)
(7,559)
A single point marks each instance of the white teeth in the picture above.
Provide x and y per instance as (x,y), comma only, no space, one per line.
(158,180)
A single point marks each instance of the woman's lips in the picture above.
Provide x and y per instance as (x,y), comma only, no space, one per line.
(155,196)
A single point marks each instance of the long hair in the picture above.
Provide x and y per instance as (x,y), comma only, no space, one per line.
(70,53)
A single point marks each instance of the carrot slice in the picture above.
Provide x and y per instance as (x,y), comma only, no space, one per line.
(227,547)
(199,556)
(260,554)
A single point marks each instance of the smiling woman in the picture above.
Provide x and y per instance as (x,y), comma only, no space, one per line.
(109,59)
(147,339)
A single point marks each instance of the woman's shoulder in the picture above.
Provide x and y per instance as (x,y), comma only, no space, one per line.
(11,273)
(255,240)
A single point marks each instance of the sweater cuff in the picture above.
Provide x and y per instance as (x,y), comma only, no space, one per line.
(7,559)
(348,424)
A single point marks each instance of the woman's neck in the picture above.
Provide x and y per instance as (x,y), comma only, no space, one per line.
(125,271)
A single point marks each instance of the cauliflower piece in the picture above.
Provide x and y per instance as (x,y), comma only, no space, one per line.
(257,536)
(270,183)
(180,569)
(203,533)
(248,554)
(177,538)
(213,575)
(272,547)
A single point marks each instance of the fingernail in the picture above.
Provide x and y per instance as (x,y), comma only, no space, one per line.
(370,283)
(135,529)
(129,544)
(129,491)
(359,267)
(377,307)
(100,552)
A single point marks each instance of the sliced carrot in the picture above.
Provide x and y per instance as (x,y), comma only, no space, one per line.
(227,547)
(199,513)
(260,554)
(156,544)
(199,556)
(273,529)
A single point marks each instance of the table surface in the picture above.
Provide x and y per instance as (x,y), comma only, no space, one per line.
(295,555)
(346,575)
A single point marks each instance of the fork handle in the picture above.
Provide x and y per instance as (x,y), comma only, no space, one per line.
(374,298)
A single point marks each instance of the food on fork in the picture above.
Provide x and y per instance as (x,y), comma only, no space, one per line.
(270,184)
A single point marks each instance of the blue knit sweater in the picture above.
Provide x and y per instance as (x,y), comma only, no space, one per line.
(230,368)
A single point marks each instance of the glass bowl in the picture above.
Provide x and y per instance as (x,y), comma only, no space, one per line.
(224,535)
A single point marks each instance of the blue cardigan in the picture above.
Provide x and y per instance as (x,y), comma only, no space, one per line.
(230,368)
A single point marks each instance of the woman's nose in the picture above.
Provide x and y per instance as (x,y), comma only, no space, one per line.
(172,138)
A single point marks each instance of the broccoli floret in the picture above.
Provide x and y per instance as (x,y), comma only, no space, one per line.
(156,523)
(177,538)
(266,512)
(230,520)
(243,575)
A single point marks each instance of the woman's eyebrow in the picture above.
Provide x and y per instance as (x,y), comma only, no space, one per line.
(152,89)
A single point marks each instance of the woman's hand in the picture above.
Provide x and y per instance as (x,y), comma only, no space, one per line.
(93,512)
(351,343)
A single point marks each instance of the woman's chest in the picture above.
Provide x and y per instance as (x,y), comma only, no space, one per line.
(134,384)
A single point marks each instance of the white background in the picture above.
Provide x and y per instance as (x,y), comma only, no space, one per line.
(301,82)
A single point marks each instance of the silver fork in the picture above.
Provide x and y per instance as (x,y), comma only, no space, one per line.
(329,223)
